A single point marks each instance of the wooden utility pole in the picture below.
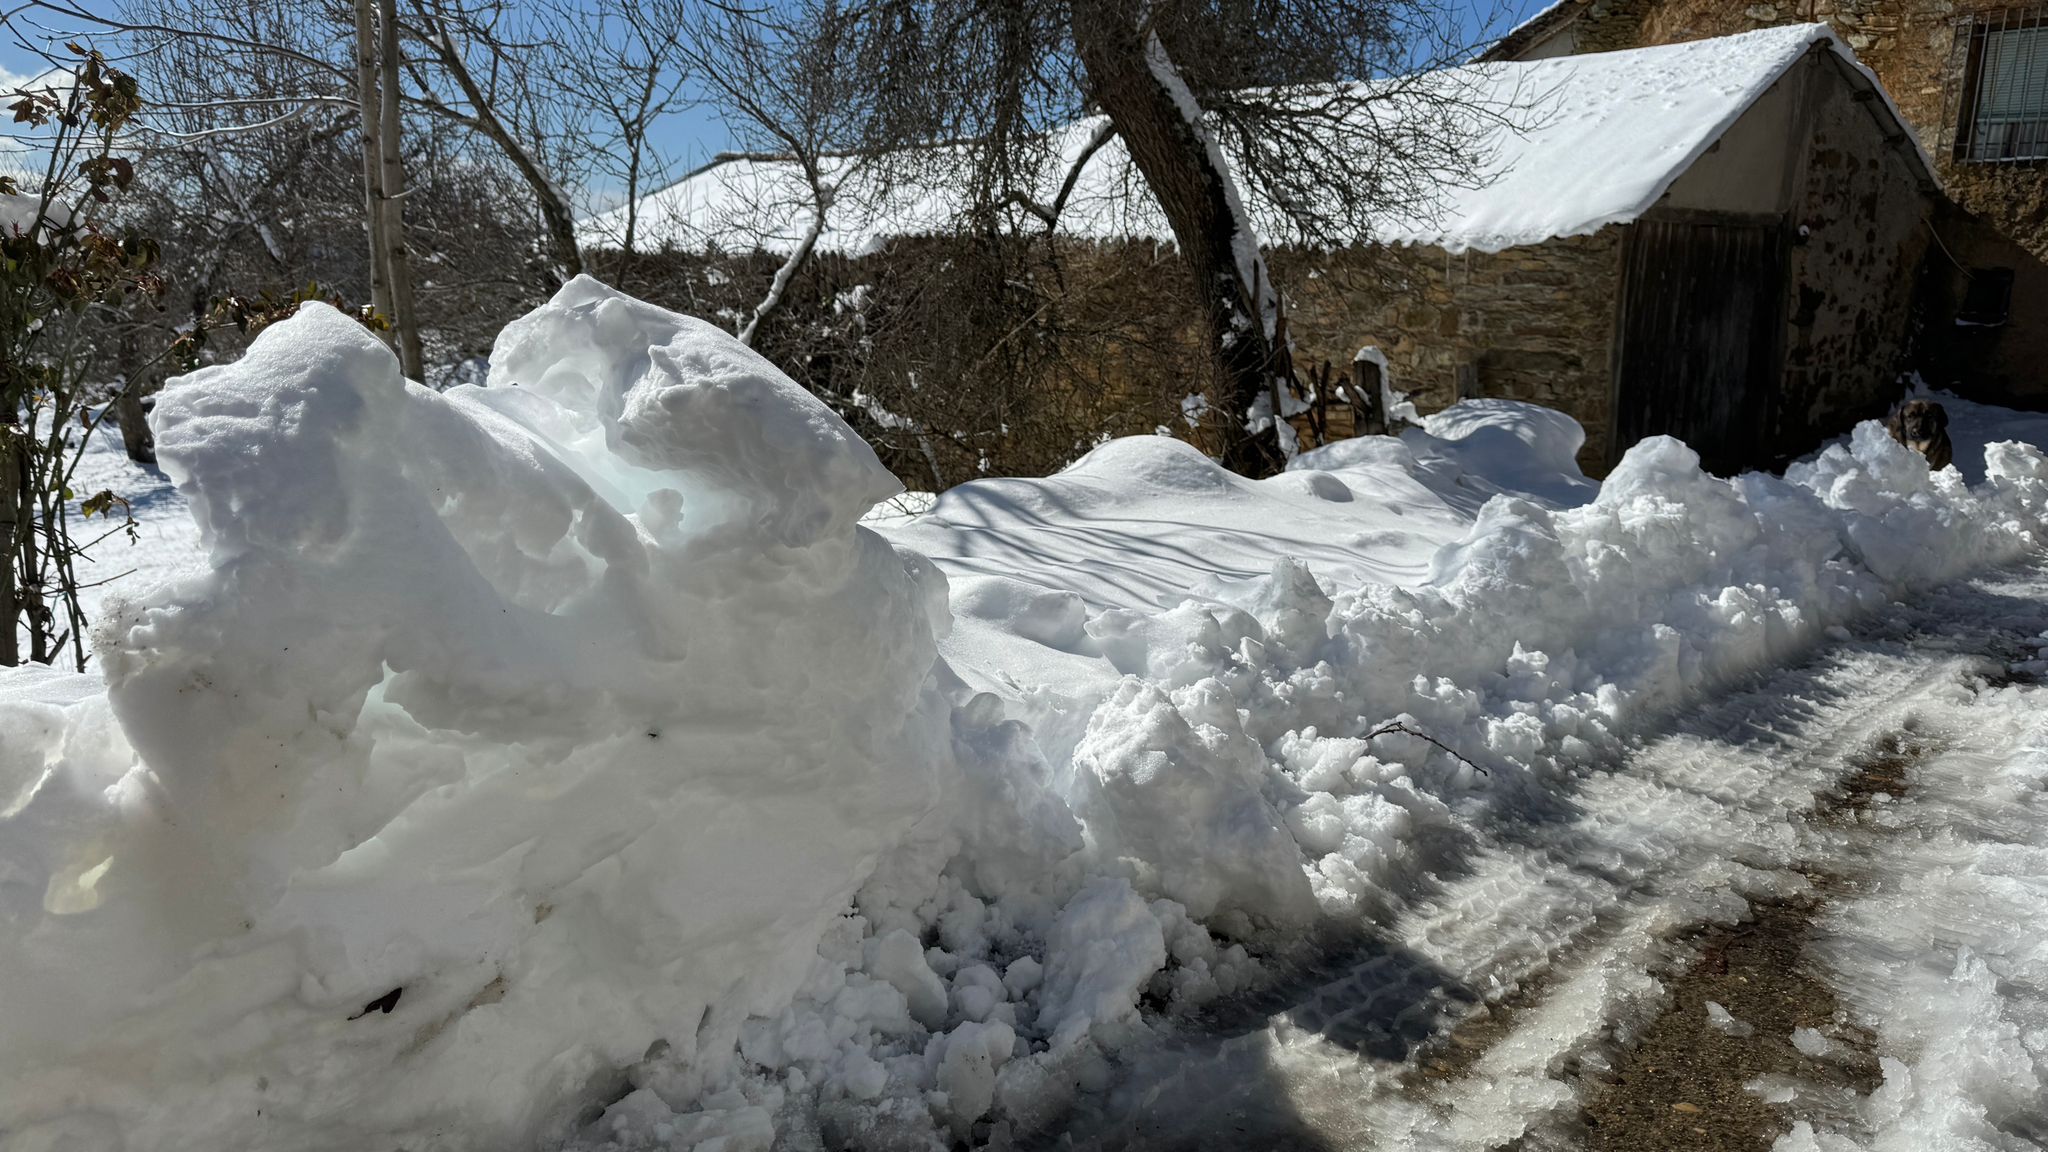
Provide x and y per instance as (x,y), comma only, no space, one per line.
(397,263)
(368,102)
(1367,418)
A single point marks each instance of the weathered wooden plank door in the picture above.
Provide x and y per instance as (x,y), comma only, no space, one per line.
(1701,330)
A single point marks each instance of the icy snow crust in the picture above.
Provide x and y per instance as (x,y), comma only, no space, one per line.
(1565,146)
(1947,953)
(681,810)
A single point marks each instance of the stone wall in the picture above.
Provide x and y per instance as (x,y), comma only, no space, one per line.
(1860,239)
(2013,198)
(1535,323)
(2001,363)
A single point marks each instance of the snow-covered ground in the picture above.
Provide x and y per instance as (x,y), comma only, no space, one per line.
(562,763)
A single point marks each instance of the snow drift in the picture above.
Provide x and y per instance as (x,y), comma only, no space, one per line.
(560,760)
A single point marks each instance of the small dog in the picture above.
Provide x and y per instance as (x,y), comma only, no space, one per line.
(1922,425)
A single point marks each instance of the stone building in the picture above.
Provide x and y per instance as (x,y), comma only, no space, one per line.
(1737,240)
(1970,79)
(1719,240)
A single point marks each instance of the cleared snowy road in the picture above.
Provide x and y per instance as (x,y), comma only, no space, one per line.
(1488,1014)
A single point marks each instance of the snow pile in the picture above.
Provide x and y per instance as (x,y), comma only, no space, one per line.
(562,759)
(511,733)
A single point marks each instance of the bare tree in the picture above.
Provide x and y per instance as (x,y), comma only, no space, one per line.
(633,62)
(496,73)
(1317,113)
(486,68)
(786,82)
(66,266)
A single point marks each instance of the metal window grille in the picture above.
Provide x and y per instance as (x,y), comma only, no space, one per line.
(2001,104)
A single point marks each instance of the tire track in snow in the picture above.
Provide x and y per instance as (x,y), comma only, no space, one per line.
(1696,824)
(1517,974)
(1929,649)
(1684,1082)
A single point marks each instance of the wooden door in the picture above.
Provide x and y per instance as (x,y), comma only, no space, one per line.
(1702,324)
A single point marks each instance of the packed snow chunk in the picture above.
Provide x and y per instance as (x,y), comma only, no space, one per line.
(1174,648)
(1172,791)
(672,397)
(1774,1088)
(1017,835)
(1810,1042)
(976,992)
(1910,525)
(643,1120)
(898,960)
(1293,613)
(968,1059)
(1022,977)
(863,1076)
(1102,949)
(1803,1138)
(2018,473)
(510,733)
(1054,619)
(1201,971)
(1724,1022)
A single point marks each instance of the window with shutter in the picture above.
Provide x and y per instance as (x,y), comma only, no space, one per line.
(2005,88)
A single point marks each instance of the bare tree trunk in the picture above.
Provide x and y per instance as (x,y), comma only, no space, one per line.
(136,439)
(797,257)
(555,212)
(1177,167)
(625,261)
(373,159)
(397,262)
(33,607)
(10,532)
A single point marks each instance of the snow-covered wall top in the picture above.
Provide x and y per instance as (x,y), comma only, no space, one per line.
(1568,145)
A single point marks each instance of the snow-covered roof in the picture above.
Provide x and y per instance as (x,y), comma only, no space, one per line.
(1567,146)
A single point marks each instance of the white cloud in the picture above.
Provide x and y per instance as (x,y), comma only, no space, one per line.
(11,80)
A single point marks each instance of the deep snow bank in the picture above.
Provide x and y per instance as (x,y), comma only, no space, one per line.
(570,710)
(579,711)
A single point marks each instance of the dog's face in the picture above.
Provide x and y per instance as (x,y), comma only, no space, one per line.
(1921,421)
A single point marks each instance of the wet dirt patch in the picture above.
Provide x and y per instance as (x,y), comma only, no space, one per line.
(1683,1083)
(1882,770)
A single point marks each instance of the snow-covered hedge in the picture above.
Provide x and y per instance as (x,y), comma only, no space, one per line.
(560,760)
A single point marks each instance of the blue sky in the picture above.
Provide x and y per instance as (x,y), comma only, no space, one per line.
(688,139)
